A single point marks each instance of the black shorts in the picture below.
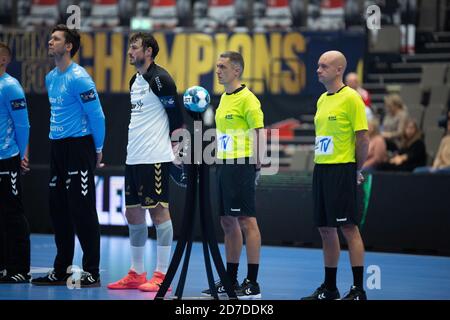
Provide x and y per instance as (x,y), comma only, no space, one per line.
(146,185)
(334,195)
(236,187)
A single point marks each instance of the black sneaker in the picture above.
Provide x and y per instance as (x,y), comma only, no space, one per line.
(220,289)
(89,280)
(249,290)
(355,293)
(323,293)
(2,273)
(15,278)
(52,279)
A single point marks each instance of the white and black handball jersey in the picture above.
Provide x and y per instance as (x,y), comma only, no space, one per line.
(155,113)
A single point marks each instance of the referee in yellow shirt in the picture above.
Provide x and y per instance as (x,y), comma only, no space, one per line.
(238,116)
(340,151)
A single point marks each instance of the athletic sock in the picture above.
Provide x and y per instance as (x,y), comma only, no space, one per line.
(137,259)
(138,237)
(164,238)
(330,278)
(252,271)
(232,271)
(358,274)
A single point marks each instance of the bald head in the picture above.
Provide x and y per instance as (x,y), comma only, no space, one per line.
(336,59)
(331,68)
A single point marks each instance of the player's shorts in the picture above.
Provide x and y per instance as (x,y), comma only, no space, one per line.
(334,195)
(236,187)
(146,185)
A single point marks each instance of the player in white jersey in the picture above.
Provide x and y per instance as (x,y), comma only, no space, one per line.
(155,115)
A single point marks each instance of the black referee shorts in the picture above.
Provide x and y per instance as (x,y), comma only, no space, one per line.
(236,187)
(334,195)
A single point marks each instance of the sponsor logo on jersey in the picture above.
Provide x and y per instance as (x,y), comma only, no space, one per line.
(18,104)
(158,83)
(88,96)
(168,101)
(224,142)
(324,145)
(56,128)
(137,107)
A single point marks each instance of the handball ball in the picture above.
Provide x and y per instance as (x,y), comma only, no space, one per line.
(196,99)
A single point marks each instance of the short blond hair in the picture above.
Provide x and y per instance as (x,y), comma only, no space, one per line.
(394,99)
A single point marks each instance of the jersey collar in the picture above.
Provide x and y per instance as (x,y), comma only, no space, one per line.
(151,66)
(330,94)
(149,69)
(237,90)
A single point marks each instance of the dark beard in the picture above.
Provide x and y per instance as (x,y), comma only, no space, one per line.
(138,63)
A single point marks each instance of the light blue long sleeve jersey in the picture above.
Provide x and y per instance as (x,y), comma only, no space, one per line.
(75,109)
(14,124)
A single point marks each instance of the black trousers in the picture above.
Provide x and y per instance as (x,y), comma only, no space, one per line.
(72,202)
(14,230)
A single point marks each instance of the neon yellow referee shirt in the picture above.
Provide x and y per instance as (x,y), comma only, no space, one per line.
(237,114)
(338,117)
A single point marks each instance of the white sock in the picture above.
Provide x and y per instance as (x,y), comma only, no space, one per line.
(137,259)
(162,258)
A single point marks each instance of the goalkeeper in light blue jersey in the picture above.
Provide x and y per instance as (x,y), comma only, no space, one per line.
(77,132)
(14,133)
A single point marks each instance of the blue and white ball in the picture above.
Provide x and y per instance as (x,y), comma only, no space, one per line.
(196,99)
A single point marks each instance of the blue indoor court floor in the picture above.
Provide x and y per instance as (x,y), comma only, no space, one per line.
(286,273)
